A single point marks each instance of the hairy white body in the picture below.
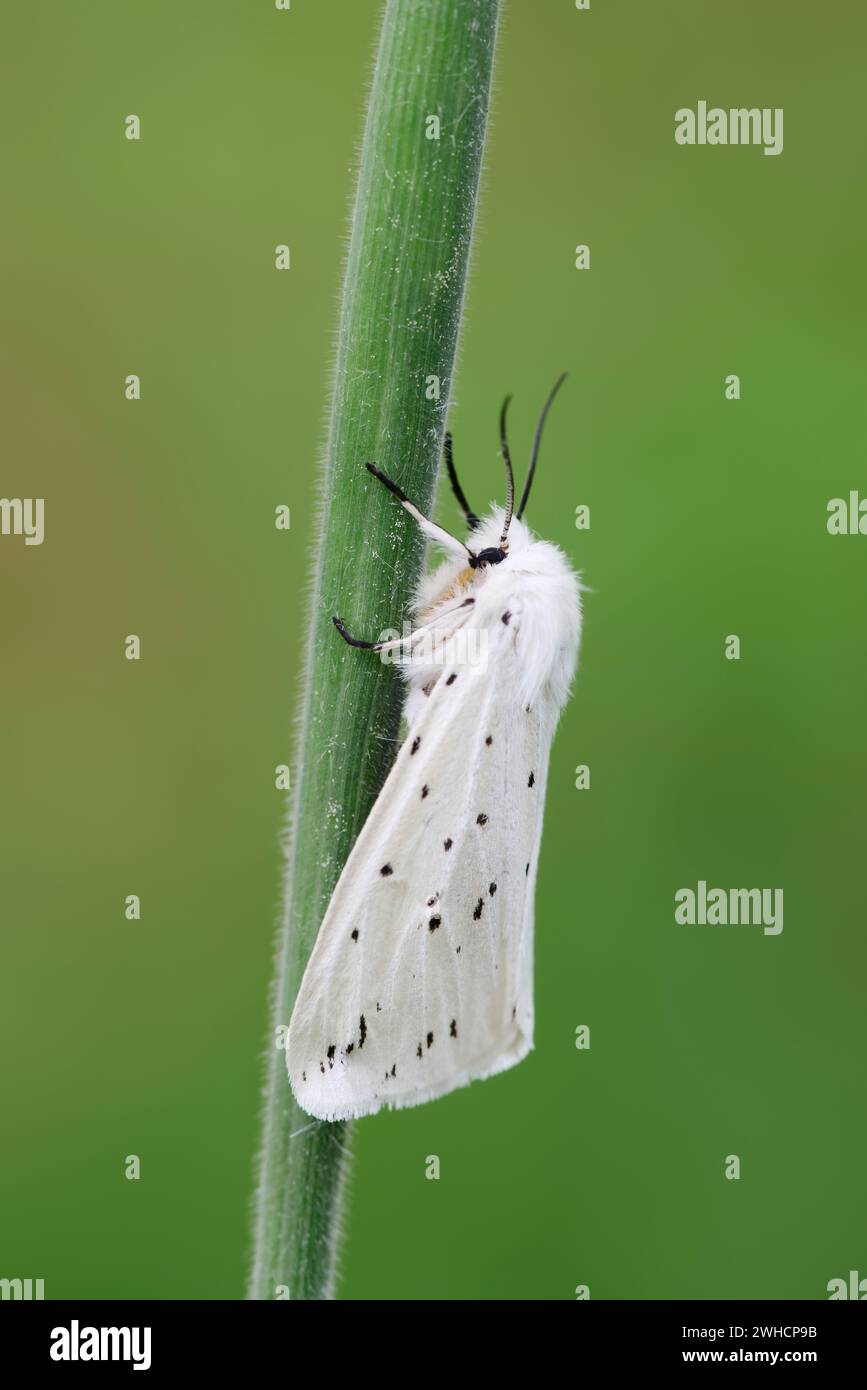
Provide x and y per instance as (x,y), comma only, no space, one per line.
(421,978)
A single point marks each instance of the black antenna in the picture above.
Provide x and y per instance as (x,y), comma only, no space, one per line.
(510,477)
(536,441)
(471,518)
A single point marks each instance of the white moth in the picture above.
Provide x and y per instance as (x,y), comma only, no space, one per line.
(421,978)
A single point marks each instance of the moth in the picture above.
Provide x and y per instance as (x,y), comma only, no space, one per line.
(421,977)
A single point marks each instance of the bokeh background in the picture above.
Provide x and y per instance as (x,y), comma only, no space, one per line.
(602,1167)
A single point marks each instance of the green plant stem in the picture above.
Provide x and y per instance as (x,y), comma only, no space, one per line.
(405,276)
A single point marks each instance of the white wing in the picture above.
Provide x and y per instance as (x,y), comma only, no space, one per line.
(421,977)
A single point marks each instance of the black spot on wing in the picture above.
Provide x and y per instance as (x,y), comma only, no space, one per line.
(507,617)
(416,744)
(354,933)
(492,888)
(434,923)
(350,1047)
(532,779)
(452,678)
(447,844)
(424,791)
(489,740)
(386,870)
(430,1039)
(453,1028)
(477,910)
(362,1029)
(481,818)
(527,870)
(418,1051)
(330,1054)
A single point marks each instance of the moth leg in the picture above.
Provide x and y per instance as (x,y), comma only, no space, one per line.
(471,519)
(400,641)
(355,641)
(430,528)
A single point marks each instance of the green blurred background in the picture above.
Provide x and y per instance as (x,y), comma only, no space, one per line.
(602,1167)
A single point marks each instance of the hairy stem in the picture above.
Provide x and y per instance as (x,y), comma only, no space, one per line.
(405,275)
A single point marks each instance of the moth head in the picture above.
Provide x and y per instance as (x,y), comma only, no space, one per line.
(493,555)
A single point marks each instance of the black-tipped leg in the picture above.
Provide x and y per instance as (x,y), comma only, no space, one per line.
(387,482)
(471,518)
(430,528)
(354,641)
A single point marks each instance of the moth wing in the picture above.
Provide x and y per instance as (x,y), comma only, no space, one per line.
(420,980)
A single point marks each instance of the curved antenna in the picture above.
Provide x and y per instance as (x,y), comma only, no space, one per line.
(510,477)
(537,438)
